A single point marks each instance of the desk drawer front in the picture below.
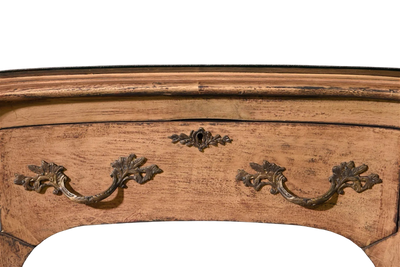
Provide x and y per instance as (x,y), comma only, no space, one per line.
(197,185)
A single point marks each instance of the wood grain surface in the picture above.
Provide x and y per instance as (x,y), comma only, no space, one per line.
(200,186)
(228,83)
(375,113)
(305,119)
(385,253)
(13,252)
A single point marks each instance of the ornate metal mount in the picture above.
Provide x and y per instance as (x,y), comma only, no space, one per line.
(344,175)
(200,139)
(51,174)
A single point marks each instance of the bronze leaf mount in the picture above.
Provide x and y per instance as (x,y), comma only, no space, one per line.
(344,175)
(201,139)
(52,175)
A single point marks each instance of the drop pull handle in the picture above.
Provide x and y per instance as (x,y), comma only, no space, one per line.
(344,175)
(52,175)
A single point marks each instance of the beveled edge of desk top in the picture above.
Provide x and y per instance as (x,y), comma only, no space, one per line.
(198,81)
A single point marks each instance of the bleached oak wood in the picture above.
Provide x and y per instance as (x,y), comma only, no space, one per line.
(14,86)
(305,119)
(229,108)
(200,186)
(386,252)
(13,252)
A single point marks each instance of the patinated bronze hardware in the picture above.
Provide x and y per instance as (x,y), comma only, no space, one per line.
(51,174)
(344,175)
(200,139)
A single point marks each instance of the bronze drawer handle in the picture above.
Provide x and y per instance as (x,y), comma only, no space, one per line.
(344,175)
(51,174)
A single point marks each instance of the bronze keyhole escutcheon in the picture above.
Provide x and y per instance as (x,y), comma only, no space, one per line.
(200,139)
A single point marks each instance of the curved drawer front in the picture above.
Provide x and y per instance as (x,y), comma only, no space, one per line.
(200,184)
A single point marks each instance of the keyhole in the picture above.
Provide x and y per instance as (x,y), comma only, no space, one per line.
(200,137)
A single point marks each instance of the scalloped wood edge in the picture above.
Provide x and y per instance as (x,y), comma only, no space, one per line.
(25,254)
